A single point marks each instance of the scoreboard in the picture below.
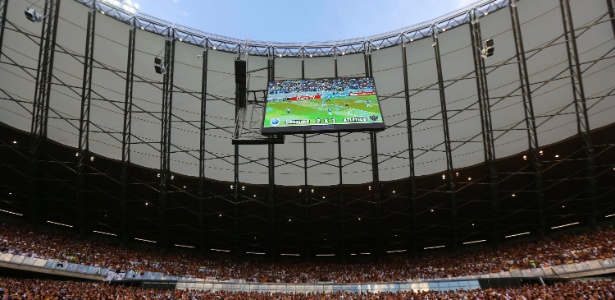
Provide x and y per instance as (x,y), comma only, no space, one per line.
(336,104)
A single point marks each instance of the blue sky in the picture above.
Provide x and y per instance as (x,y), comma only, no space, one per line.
(298,21)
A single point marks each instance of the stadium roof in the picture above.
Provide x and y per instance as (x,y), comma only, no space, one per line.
(94,137)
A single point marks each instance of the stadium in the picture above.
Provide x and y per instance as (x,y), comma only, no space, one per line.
(498,126)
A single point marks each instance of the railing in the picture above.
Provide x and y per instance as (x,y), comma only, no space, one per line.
(588,268)
(78,270)
(440,285)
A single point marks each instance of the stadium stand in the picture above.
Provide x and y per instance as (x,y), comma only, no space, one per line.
(565,249)
(46,289)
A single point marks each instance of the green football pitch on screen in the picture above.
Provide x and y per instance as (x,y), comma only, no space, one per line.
(332,111)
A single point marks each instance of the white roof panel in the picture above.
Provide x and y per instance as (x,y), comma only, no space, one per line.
(421,65)
(109,117)
(541,21)
(287,68)
(16,90)
(356,158)
(185,140)
(393,153)
(145,150)
(456,53)
(289,161)
(111,42)
(257,80)
(253,164)
(319,67)
(352,65)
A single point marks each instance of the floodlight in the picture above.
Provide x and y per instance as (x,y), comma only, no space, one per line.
(489,43)
(159,66)
(33,16)
(160,69)
(488,48)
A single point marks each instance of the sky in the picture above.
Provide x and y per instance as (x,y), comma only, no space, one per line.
(298,21)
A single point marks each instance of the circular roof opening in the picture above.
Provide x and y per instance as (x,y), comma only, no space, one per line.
(298,22)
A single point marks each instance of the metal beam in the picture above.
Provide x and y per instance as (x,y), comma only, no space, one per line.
(486,123)
(340,186)
(413,192)
(127,131)
(447,139)
(271,171)
(84,116)
(373,141)
(165,139)
(306,197)
(236,179)
(3,9)
(609,4)
(202,147)
(236,197)
(340,192)
(580,104)
(271,199)
(40,111)
(530,121)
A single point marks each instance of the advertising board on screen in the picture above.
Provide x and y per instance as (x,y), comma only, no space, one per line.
(322,105)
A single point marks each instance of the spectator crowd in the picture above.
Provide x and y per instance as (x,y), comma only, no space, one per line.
(16,289)
(320,85)
(565,249)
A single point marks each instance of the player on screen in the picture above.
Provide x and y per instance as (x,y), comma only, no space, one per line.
(329,110)
(288,110)
(322,103)
(346,105)
(368,103)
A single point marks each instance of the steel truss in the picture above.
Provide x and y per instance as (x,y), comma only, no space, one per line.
(611,13)
(165,141)
(340,188)
(373,142)
(3,10)
(202,145)
(271,174)
(236,199)
(486,127)
(306,198)
(578,92)
(447,142)
(340,193)
(530,120)
(84,117)
(127,133)
(411,175)
(40,112)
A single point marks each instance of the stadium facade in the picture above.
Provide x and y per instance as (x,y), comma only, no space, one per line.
(479,146)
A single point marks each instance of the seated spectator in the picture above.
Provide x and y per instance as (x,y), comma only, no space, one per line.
(566,249)
(12,288)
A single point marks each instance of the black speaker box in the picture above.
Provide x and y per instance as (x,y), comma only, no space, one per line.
(240,71)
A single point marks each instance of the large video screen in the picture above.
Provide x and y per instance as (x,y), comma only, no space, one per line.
(322,105)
